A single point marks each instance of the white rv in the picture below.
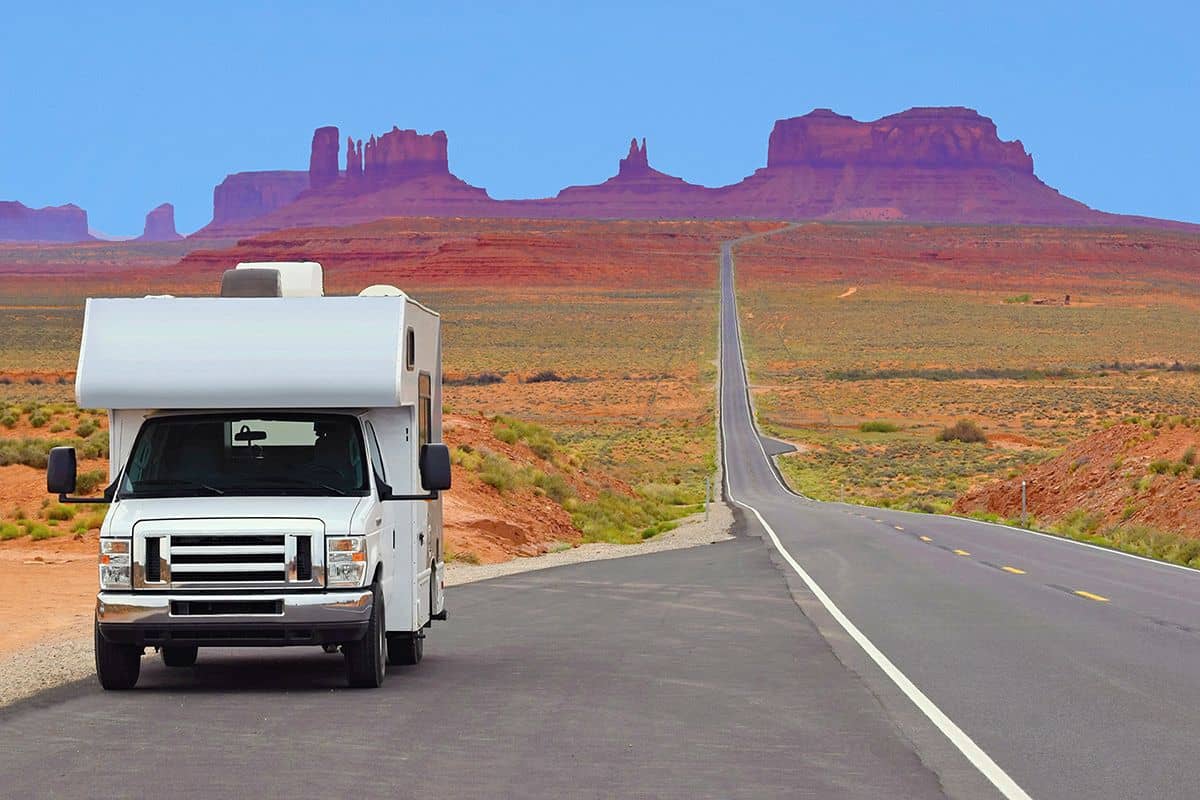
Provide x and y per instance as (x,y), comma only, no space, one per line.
(275,464)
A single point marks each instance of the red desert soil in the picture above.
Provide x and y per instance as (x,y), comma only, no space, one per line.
(48,586)
(1098,473)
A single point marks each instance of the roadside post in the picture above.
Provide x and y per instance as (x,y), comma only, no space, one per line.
(1024,523)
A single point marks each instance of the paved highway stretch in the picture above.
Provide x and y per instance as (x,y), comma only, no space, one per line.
(844,652)
(1058,670)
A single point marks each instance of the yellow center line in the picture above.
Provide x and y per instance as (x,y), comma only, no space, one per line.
(961,553)
(926,539)
(1013,570)
(1091,596)
(879,520)
(897,527)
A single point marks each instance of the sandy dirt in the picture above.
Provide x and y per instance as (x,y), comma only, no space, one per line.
(1098,474)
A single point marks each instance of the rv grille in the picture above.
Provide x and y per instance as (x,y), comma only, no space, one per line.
(231,559)
(304,558)
(153,560)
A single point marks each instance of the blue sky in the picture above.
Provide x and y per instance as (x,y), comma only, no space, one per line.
(120,110)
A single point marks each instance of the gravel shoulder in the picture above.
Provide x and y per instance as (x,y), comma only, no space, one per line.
(67,657)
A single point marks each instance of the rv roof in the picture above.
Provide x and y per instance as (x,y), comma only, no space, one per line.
(331,352)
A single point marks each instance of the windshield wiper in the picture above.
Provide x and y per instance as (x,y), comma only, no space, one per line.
(163,482)
(266,483)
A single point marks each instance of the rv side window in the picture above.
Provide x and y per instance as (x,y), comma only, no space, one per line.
(424,408)
(376,456)
(410,349)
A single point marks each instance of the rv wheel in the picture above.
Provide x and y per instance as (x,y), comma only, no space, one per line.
(117,665)
(365,658)
(179,655)
(405,648)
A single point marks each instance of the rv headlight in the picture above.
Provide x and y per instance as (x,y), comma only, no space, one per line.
(114,564)
(345,560)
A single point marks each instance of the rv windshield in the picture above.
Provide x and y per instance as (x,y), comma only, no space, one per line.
(246,454)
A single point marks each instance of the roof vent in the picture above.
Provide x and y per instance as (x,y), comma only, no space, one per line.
(381,290)
(251,283)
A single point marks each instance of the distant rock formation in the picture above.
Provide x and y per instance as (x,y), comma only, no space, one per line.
(354,160)
(323,162)
(19,223)
(400,155)
(160,225)
(925,164)
(636,163)
(923,137)
(245,196)
(637,191)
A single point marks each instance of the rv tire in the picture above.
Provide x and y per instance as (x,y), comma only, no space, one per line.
(365,658)
(117,665)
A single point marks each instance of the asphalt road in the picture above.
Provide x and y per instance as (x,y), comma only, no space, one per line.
(1074,670)
(711,672)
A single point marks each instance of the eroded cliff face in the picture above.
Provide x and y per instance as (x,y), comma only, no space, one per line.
(245,196)
(399,155)
(160,225)
(19,223)
(921,137)
(323,161)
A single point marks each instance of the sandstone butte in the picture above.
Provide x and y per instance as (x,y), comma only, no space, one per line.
(160,225)
(944,165)
(52,224)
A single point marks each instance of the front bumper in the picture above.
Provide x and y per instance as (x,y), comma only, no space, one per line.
(233,620)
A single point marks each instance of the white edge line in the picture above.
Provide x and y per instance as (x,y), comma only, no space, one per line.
(957,736)
(965,744)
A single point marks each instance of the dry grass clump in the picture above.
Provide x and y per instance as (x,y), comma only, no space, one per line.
(964,430)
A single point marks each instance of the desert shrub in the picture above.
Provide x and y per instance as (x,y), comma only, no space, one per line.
(38,419)
(9,420)
(59,426)
(878,426)
(498,473)
(671,494)
(1196,473)
(9,530)
(30,406)
(1189,456)
(504,433)
(89,480)
(93,446)
(1160,466)
(59,513)
(535,437)
(1179,469)
(85,428)
(34,380)
(92,521)
(964,430)
(465,557)
(1078,524)
(545,376)
(466,458)
(38,531)
(30,452)
(1021,298)
(555,486)
(481,379)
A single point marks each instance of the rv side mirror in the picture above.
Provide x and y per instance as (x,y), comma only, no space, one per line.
(435,467)
(61,470)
